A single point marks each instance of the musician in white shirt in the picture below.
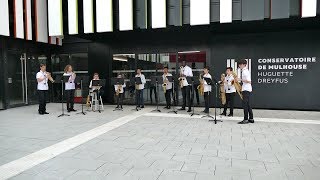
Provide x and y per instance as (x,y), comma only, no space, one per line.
(168,87)
(121,89)
(230,91)
(245,78)
(139,90)
(207,89)
(70,87)
(42,87)
(185,72)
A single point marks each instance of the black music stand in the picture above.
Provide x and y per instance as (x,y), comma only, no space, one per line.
(100,83)
(136,81)
(172,80)
(156,80)
(80,80)
(191,80)
(215,102)
(117,81)
(63,79)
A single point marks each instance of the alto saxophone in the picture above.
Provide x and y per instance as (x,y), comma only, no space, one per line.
(118,90)
(237,84)
(88,101)
(222,91)
(164,85)
(201,85)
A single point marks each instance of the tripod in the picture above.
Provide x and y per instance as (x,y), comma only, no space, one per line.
(63,79)
(82,112)
(215,105)
(192,93)
(174,110)
(156,81)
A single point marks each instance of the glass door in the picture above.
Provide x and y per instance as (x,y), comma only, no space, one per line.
(17,79)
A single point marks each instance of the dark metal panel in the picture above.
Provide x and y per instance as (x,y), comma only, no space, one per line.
(186,11)
(214,10)
(267,8)
(140,14)
(236,9)
(252,10)
(295,8)
(280,9)
(174,12)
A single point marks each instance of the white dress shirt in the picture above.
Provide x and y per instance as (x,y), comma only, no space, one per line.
(187,72)
(121,89)
(228,87)
(143,81)
(247,77)
(42,85)
(169,84)
(207,87)
(70,84)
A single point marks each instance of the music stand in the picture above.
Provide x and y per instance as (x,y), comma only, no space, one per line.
(216,100)
(136,81)
(117,81)
(172,80)
(63,79)
(77,80)
(100,83)
(191,81)
(156,80)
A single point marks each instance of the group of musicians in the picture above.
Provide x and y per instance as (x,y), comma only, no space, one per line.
(186,87)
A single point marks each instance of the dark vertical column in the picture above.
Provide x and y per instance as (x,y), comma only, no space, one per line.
(140,14)
(186,11)
(295,7)
(174,12)
(252,10)
(280,9)
(236,10)
(4,73)
(214,10)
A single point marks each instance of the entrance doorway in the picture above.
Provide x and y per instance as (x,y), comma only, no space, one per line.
(22,69)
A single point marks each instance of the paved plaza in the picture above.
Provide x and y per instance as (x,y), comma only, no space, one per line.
(130,145)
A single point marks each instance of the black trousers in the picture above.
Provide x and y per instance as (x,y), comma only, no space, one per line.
(139,98)
(42,95)
(154,90)
(206,101)
(230,102)
(186,95)
(246,104)
(70,98)
(120,100)
(168,97)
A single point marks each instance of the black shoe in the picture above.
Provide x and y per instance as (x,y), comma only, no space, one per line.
(244,122)
(169,107)
(251,120)
(45,112)
(141,106)
(189,110)
(182,109)
(69,110)
(166,107)
(230,115)
(73,110)
(205,111)
(41,113)
(117,107)
(223,114)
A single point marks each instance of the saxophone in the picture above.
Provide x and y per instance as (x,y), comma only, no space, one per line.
(222,91)
(181,78)
(88,101)
(236,84)
(164,85)
(118,90)
(201,85)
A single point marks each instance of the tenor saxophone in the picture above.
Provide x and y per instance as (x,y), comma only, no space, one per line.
(222,91)
(237,84)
